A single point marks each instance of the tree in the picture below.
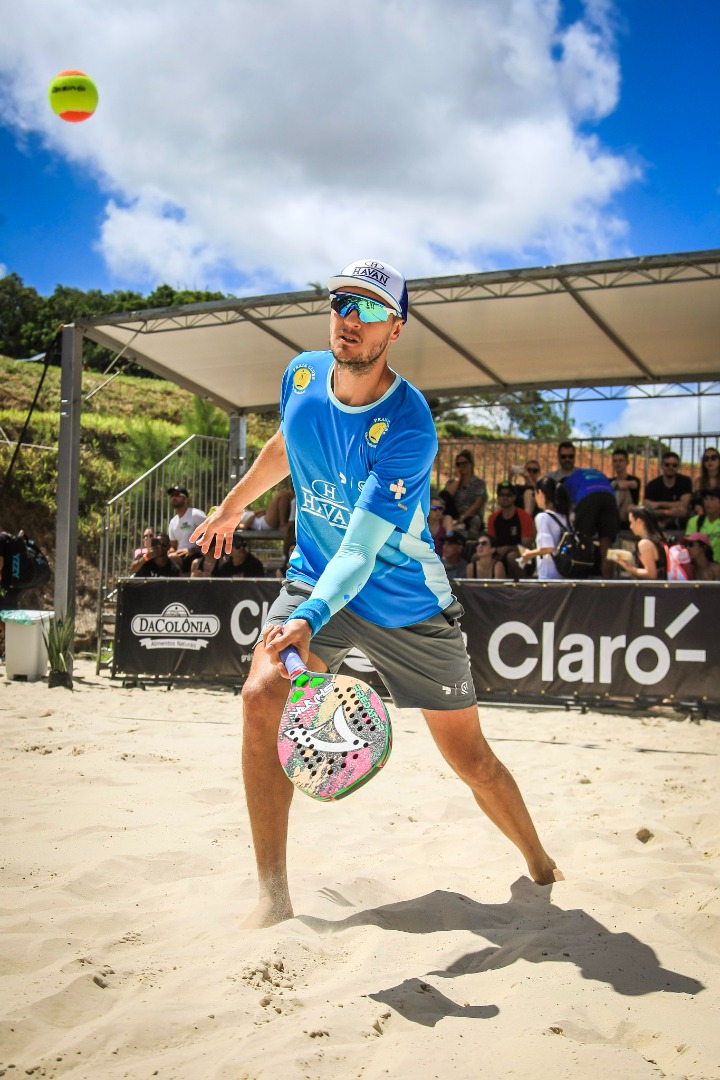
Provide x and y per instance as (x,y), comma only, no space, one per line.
(532,415)
(21,325)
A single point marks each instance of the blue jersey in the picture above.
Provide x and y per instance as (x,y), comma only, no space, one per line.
(582,482)
(378,457)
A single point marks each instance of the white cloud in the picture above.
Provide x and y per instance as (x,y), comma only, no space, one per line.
(267,144)
(671,416)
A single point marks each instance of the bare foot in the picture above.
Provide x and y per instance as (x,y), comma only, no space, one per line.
(547,873)
(269,911)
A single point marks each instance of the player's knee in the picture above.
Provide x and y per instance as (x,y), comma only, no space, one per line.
(480,770)
(264,692)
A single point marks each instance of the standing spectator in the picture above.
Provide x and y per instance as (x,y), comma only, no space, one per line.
(596,512)
(709,477)
(709,521)
(240,562)
(650,558)
(181,527)
(701,555)
(469,493)
(453,554)
(510,526)
(551,522)
(566,461)
(439,522)
(669,494)
(157,562)
(627,486)
(525,485)
(485,562)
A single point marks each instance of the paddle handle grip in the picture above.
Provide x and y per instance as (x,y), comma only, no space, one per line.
(291,659)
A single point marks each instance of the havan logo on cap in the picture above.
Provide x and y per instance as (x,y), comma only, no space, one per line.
(373,270)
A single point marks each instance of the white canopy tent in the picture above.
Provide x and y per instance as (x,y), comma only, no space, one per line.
(634,322)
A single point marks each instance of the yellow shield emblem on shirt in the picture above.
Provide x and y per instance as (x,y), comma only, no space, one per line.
(302,377)
(376,431)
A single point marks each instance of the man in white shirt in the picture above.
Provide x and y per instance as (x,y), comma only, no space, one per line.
(181,527)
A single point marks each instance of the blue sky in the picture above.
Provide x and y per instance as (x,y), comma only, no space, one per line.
(245,150)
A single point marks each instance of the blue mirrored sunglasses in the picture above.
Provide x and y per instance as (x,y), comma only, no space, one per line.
(368,310)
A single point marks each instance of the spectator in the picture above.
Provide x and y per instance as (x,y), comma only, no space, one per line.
(157,562)
(140,552)
(274,518)
(669,494)
(627,486)
(203,566)
(182,525)
(453,554)
(439,522)
(469,493)
(701,555)
(552,520)
(596,512)
(650,558)
(510,526)
(485,562)
(709,477)
(709,521)
(566,461)
(525,484)
(240,562)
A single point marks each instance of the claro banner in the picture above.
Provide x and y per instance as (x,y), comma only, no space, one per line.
(554,639)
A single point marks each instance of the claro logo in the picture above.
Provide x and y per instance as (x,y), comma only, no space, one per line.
(580,658)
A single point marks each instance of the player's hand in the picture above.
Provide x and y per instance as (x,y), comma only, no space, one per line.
(295,632)
(217,532)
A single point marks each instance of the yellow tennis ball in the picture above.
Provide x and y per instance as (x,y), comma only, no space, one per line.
(73,96)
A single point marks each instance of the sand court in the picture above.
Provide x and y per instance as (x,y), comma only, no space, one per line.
(419,948)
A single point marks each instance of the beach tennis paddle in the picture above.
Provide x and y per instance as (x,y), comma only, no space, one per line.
(335,731)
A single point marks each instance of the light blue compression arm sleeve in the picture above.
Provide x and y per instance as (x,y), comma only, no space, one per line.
(348,570)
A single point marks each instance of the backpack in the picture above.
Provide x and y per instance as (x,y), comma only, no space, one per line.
(574,555)
(678,562)
(25,566)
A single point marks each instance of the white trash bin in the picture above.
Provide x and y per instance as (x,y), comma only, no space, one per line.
(25,652)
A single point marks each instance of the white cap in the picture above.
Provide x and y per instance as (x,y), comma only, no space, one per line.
(377,277)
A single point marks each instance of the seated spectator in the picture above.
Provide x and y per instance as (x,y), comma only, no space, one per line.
(650,557)
(469,493)
(485,562)
(551,522)
(140,552)
(274,518)
(281,571)
(156,561)
(240,562)
(203,566)
(701,555)
(709,477)
(509,527)
(181,527)
(669,494)
(627,486)
(596,512)
(709,521)
(439,522)
(566,461)
(526,478)
(453,558)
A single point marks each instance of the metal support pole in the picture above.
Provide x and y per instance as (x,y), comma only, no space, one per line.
(237,463)
(66,529)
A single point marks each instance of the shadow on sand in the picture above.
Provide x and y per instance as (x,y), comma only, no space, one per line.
(527,927)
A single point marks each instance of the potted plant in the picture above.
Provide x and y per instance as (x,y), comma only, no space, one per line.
(59,641)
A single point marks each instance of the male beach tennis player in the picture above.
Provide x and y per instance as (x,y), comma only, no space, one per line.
(359,443)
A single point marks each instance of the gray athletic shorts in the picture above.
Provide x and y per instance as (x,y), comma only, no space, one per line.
(424,666)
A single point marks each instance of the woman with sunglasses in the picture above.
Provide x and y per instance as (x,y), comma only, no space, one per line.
(469,493)
(485,563)
(650,557)
(701,556)
(709,477)
(439,522)
(551,522)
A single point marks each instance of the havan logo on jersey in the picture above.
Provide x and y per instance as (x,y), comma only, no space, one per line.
(302,376)
(377,429)
(322,499)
